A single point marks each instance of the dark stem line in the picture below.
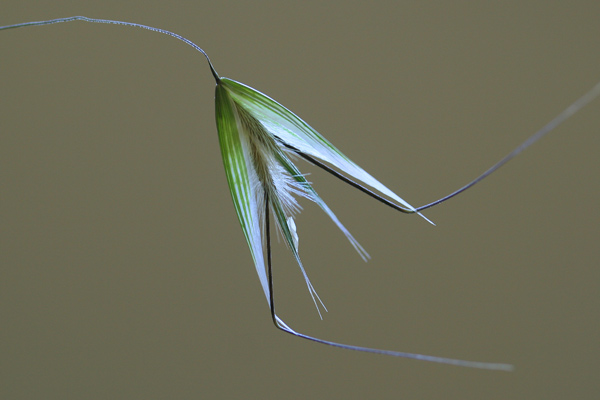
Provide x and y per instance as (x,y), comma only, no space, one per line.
(347,180)
(269,269)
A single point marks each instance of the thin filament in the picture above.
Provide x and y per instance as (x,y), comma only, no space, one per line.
(559,119)
(108,21)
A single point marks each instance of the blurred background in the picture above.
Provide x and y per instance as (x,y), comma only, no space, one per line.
(125,273)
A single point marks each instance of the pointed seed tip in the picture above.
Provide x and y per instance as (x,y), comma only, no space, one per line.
(425,218)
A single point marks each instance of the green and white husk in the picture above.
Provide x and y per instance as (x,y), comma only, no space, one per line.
(257,135)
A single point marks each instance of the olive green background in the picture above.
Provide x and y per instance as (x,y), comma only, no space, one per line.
(125,275)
